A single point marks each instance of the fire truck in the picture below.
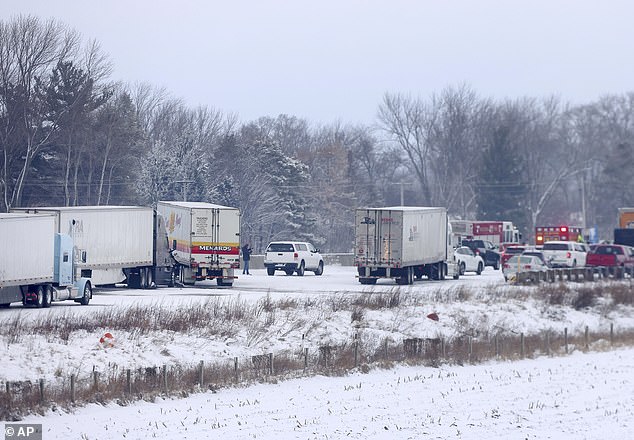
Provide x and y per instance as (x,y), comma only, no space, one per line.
(497,232)
(557,233)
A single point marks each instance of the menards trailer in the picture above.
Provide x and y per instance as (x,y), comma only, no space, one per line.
(204,239)
(36,263)
(403,242)
(115,244)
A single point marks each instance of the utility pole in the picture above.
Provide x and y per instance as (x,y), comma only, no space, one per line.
(402,185)
(184,183)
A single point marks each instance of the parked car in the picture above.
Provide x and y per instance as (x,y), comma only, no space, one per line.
(522,263)
(468,261)
(509,251)
(486,250)
(564,254)
(609,255)
(293,256)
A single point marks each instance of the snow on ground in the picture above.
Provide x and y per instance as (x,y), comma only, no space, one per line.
(581,396)
(37,356)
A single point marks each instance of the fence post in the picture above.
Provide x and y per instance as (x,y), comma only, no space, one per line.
(95,379)
(611,333)
(470,348)
(386,350)
(356,351)
(522,345)
(41,390)
(201,370)
(586,337)
(443,351)
(271,364)
(566,339)
(305,358)
(128,377)
(165,377)
(235,368)
(497,347)
(72,388)
(547,343)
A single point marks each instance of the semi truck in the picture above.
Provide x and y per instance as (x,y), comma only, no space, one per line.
(626,218)
(115,244)
(37,264)
(403,243)
(204,239)
(624,232)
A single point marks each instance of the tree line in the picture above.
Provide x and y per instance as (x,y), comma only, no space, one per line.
(71,135)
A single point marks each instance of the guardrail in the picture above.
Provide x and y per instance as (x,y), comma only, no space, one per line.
(577,274)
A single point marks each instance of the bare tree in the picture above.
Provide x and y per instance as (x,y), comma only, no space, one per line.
(30,48)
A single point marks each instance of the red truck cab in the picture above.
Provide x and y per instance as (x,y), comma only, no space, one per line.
(610,255)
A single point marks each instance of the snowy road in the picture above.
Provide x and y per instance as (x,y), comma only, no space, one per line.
(336,279)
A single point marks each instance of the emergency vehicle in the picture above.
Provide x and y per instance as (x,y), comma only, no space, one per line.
(557,233)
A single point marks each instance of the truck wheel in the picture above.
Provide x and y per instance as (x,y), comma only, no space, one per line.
(289,272)
(300,269)
(143,274)
(48,296)
(320,268)
(150,278)
(479,271)
(39,297)
(270,271)
(85,299)
(367,280)
(222,282)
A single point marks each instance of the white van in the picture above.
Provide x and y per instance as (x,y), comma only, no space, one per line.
(564,253)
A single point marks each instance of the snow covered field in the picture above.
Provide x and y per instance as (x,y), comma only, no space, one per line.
(579,396)
(582,396)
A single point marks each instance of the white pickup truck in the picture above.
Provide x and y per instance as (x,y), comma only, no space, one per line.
(292,256)
(564,254)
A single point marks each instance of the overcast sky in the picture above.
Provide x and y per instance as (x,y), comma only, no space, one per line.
(327,60)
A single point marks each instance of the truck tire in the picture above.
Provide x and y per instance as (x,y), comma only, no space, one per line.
(300,269)
(39,297)
(223,283)
(271,271)
(367,280)
(48,296)
(143,274)
(479,271)
(463,268)
(85,298)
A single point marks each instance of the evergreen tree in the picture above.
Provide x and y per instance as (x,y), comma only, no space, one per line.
(499,188)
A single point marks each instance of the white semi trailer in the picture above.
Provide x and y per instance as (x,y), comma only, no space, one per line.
(115,244)
(403,243)
(37,265)
(204,239)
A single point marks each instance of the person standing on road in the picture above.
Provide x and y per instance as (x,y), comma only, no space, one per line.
(246,257)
